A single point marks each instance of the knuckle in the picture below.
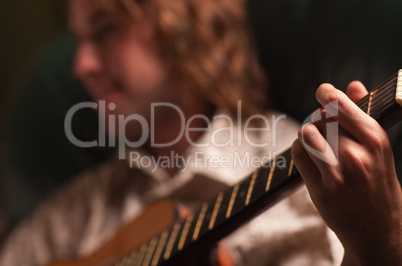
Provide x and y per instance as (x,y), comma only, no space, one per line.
(308,132)
(329,94)
(356,159)
(377,141)
(336,184)
(333,181)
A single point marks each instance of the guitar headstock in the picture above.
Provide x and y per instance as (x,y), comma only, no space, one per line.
(399,88)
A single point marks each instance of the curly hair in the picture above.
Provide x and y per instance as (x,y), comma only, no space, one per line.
(210,44)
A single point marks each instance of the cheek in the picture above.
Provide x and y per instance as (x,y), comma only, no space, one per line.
(142,69)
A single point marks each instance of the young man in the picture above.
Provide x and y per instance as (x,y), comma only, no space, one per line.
(167,77)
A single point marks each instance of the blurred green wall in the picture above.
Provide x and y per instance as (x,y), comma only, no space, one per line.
(26,28)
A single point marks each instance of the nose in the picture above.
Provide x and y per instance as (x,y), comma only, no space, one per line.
(87,61)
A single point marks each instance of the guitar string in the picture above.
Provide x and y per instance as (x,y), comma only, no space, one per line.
(388,101)
(384,86)
(382,91)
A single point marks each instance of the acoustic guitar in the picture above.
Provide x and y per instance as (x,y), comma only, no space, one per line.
(188,241)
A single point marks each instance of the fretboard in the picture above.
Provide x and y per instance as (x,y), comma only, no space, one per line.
(231,208)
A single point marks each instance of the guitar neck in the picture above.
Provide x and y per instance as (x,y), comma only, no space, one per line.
(231,208)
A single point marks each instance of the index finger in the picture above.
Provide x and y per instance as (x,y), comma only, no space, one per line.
(350,117)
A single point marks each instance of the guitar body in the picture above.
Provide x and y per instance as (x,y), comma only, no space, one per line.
(156,218)
(152,222)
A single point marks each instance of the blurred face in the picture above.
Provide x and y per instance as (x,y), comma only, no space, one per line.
(118,61)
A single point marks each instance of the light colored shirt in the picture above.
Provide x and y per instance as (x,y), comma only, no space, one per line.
(86,213)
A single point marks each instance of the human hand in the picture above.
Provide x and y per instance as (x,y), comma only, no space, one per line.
(358,194)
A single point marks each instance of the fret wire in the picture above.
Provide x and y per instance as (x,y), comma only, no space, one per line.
(369,103)
(221,215)
(251,187)
(262,174)
(288,158)
(362,103)
(184,233)
(260,182)
(384,92)
(159,248)
(271,172)
(172,239)
(380,102)
(290,168)
(135,256)
(215,211)
(135,259)
(131,257)
(384,86)
(385,99)
(150,251)
(140,256)
(123,261)
(285,154)
(126,261)
(232,200)
(242,182)
(385,95)
(282,174)
(200,221)
(240,199)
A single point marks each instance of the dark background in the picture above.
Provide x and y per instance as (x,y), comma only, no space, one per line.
(301,43)
(26,29)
